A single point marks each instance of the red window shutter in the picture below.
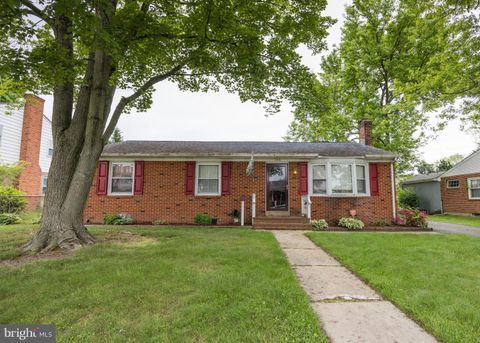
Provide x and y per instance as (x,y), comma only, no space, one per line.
(102,178)
(373,169)
(302,178)
(226,175)
(190,179)
(138,184)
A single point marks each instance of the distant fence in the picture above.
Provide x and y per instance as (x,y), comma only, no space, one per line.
(11,203)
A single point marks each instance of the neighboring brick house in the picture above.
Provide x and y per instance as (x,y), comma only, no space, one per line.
(460,187)
(26,135)
(174,181)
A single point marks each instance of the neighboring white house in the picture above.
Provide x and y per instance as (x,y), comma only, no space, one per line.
(26,135)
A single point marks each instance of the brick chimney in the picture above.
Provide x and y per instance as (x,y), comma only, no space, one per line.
(365,132)
(30,178)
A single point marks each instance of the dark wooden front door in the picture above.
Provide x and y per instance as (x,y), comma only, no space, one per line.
(277,187)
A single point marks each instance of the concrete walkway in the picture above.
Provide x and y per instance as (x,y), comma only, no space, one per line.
(454,228)
(348,309)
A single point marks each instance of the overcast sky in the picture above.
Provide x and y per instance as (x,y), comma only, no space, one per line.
(177,115)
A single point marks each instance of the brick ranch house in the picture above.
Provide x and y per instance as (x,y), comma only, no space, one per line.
(460,187)
(174,181)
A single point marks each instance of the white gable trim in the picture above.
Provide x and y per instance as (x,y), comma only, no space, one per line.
(463,167)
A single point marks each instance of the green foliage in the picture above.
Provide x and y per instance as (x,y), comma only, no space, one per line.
(202,219)
(11,200)
(9,173)
(116,137)
(319,224)
(9,218)
(117,219)
(160,222)
(424,167)
(351,223)
(248,47)
(407,198)
(386,69)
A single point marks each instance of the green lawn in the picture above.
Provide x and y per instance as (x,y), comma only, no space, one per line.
(435,279)
(452,219)
(180,285)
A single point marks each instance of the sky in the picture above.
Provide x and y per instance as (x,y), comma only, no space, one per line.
(221,116)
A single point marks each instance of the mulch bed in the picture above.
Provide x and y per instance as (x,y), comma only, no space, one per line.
(381,229)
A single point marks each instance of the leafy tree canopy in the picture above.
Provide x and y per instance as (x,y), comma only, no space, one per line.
(116,137)
(398,62)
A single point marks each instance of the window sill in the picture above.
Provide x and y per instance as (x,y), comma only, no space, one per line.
(208,195)
(345,195)
(120,195)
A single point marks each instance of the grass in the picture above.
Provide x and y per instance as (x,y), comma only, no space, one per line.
(180,285)
(435,279)
(452,219)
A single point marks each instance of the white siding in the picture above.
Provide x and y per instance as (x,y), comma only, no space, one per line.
(45,145)
(11,121)
(469,165)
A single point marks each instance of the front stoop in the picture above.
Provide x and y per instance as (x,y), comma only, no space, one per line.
(348,309)
(282,223)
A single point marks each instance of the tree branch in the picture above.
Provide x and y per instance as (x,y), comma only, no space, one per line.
(124,101)
(34,10)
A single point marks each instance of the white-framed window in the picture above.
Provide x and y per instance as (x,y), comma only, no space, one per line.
(50,151)
(44,184)
(453,183)
(339,178)
(207,178)
(319,182)
(474,188)
(361,175)
(121,175)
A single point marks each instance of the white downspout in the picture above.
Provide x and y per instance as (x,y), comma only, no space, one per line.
(394,202)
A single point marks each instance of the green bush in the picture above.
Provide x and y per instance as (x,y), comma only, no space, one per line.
(202,219)
(319,225)
(11,200)
(351,223)
(9,218)
(117,219)
(160,222)
(407,198)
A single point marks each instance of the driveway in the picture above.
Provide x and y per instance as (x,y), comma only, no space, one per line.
(455,228)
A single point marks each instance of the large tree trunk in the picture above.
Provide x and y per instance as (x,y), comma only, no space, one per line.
(69,179)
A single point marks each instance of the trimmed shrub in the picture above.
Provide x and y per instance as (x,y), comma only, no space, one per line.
(202,219)
(407,198)
(117,219)
(351,223)
(9,218)
(319,225)
(11,200)
(160,222)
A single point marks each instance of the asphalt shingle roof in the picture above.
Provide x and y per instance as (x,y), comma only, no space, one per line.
(423,178)
(166,148)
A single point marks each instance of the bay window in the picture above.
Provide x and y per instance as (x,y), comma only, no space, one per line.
(474,188)
(340,177)
(361,179)
(121,178)
(208,179)
(319,173)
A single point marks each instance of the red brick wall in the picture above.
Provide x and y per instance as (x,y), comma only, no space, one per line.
(370,210)
(29,181)
(455,200)
(164,197)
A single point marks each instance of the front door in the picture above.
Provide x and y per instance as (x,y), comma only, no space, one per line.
(277,187)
